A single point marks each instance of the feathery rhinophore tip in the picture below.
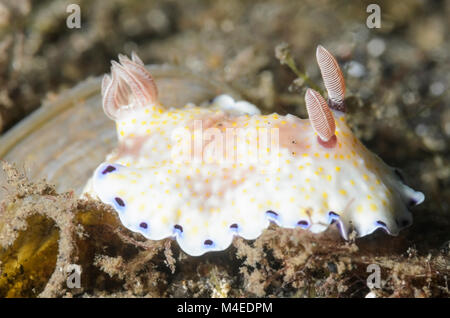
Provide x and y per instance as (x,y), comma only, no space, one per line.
(320,115)
(105,83)
(135,58)
(332,78)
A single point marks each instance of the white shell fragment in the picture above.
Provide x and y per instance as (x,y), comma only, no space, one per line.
(203,175)
(228,104)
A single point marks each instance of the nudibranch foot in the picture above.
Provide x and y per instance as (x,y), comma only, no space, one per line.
(203,175)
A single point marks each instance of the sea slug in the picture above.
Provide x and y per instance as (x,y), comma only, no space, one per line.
(205,174)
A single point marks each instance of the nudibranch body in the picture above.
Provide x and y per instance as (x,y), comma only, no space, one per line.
(205,174)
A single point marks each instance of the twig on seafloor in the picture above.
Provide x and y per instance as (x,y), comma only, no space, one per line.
(283,54)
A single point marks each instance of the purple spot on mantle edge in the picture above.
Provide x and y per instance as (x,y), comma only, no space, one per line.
(143,225)
(208,243)
(119,201)
(109,169)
